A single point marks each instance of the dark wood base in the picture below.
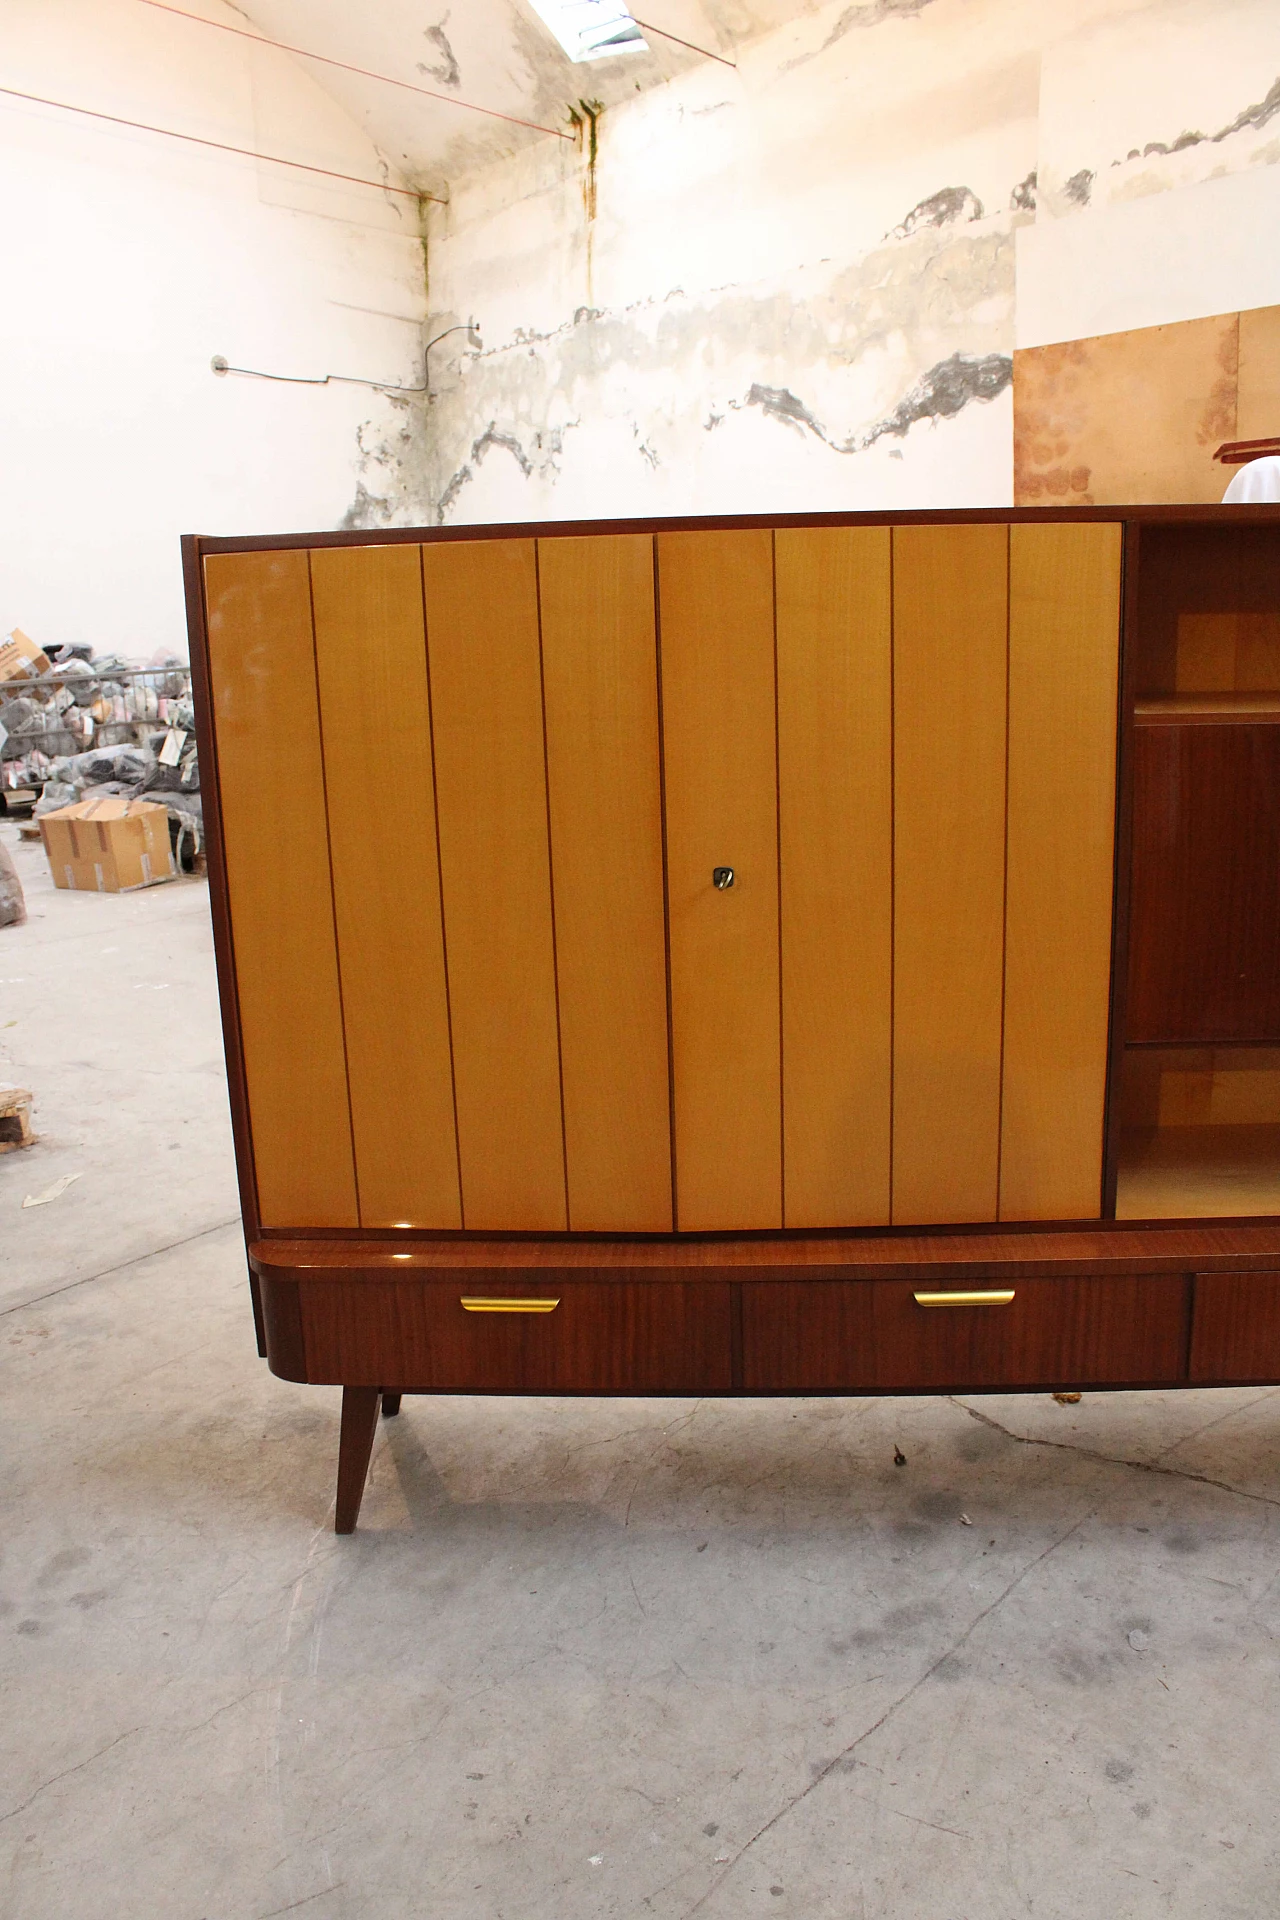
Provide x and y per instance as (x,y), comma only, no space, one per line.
(1003,1311)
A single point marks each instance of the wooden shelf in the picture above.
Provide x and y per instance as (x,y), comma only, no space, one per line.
(1185,1173)
(1201,709)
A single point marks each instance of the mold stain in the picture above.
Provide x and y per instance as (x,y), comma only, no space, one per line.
(1256,117)
(939,394)
(445,71)
(585,121)
(1023,197)
(942,209)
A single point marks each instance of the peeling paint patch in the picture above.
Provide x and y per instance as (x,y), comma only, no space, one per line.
(1079,187)
(1023,197)
(947,388)
(939,394)
(781,404)
(871,14)
(941,209)
(367,510)
(490,438)
(1258,116)
(445,72)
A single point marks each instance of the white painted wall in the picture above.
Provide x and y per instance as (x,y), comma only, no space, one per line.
(127,262)
(756,320)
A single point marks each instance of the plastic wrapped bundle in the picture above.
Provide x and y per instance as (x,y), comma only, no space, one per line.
(13,908)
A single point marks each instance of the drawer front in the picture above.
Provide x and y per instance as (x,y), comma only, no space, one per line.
(878,1336)
(1235,1333)
(599,1337)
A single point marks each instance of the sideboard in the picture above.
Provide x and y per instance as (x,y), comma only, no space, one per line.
(790,955)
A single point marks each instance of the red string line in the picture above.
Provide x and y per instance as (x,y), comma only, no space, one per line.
(646,28)
(222,146)
(366,73)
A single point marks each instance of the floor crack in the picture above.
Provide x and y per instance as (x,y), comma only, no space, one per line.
(66,1774)
(894,1706)
(170,1246)
(1112,1460)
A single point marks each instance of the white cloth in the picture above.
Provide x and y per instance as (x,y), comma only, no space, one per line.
(1259,480)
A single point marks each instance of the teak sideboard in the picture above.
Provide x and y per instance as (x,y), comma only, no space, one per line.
(755,956)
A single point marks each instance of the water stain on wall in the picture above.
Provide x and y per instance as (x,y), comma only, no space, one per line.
(914,332)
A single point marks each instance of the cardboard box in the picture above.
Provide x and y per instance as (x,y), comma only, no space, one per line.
(108,846)
(20,657)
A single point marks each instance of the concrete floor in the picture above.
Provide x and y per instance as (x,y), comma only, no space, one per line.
(583,1660)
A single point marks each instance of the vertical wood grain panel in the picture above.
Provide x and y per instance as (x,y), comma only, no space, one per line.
(719,729)
(1064,642)
(371,661)
(835,791)
(491,792)
(271,778)
(950,638)
(600,676)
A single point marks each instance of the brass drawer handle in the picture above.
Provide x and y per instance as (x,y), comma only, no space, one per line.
(475,1304)
(994,1297)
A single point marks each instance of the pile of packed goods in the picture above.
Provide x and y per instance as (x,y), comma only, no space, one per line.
(103,755)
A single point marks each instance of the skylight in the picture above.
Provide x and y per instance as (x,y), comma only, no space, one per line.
(591,29)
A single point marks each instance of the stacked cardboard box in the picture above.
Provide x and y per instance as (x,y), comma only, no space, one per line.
(108,846)
(20,657)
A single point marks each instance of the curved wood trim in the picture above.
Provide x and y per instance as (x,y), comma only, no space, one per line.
(282,1325)
(871,1256)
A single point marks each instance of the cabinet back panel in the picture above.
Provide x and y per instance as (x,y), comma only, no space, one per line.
(1204,925)
(1064,642)
(491,793)
(720,748)
(950,665)
(603,775)
(276,852)
(371,661)
(835,798)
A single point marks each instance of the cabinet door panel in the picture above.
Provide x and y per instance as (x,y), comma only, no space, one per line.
(276,850)
(719,734)
(835,800)
(371,658)
(950,630)
(1064,639)
(600,674)
(491,795)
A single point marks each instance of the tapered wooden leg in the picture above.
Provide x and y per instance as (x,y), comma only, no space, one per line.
(359,1424)
(390,1405)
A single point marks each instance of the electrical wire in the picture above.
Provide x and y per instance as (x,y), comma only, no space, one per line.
(366,73)
(222,146)
(220,366)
